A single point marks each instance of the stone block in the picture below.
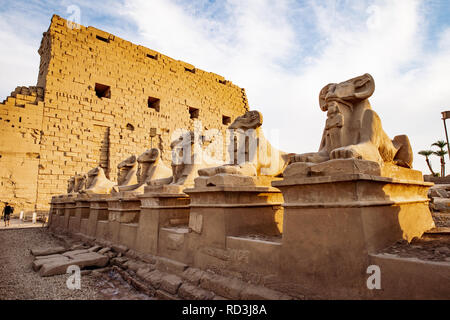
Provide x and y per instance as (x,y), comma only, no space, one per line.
(170,266)
(193,275)
(230,288)
(91,259)
(190,292)
(47,251)
(170,283)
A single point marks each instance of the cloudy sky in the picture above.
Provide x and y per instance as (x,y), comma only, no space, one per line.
(282,52)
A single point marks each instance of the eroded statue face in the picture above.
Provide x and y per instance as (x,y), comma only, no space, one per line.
(128,162)
(71,185)
(347,92)
(150,155)
(145,160)
(93,172)
(125,167)
(79,181)
(250,120)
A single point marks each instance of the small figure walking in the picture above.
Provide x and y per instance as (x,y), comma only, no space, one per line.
(7,210)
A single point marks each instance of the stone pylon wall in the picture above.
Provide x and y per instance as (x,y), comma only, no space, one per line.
(20,137)
(139,89)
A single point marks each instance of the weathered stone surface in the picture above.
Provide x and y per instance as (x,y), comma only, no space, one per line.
(441,204)
(227,287)
(97,183)
(150,167)
(190,292)
(72,254)
(353,129)
(196,222)
(154,278)
(38,263)
(104,250)
(170,283)
(91,259)
(252,292)
(120,261)
(134,265)
(47,251)
(437,192)
(170,266)
(193,275)
(255,158)
(175,241)
(94,248)
(143,273)
(48,257)
(77,246)
(119,248)
(162,295)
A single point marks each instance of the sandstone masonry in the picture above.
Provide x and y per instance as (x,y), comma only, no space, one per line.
(96,100)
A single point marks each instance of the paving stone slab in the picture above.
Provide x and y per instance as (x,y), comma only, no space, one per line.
(193,275)
(104,250)
(170,283)
(154,278)
(165,295)
(188,291)
(73,253)
(38,263)
(90,259)
(119,248)
(227,287)
(252,292)
(47,251)
(94,248)
(170,266)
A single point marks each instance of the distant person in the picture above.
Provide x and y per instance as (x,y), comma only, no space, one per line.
(7,211)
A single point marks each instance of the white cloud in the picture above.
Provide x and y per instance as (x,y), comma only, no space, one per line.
(19,61)
(256,38)
(283,52)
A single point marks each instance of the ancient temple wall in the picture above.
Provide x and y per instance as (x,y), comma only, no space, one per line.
(20,135)
(103,94)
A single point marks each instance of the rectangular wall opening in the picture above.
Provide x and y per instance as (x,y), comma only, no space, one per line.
(154,57)
(102,39)
(153,103)
(102,91)
(226,120)
(194,113)
(189,70)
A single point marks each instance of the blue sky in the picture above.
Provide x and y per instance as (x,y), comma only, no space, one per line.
(282,52)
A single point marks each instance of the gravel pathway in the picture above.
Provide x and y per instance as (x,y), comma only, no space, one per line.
(18,281)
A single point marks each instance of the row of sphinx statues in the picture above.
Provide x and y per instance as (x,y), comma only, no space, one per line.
(352,131)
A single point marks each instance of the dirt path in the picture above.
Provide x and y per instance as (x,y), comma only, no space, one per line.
(18,281)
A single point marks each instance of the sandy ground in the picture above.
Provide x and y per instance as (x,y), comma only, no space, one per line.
(18,224)
(18,281)
(429,247)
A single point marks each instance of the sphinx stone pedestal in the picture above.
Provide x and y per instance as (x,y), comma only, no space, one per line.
(56,210)
(78,222)
(226,211)
(123,217)
(98,215)
(161,207)
(335,217)
(66,210)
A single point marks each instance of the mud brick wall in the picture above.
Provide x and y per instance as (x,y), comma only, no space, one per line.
(102,96)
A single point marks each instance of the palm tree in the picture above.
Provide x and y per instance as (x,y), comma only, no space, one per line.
(426,154)
(441,144)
